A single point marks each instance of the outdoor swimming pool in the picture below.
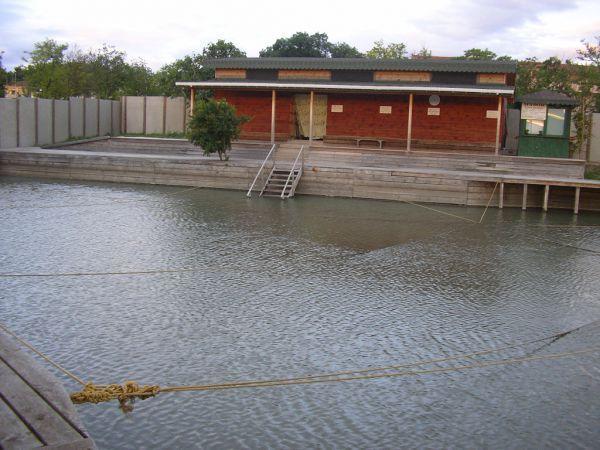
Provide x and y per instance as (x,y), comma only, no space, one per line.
(306,286)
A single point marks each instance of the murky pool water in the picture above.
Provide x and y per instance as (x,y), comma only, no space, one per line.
(300,287)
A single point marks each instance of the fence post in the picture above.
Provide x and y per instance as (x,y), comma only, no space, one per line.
(36,122)
(17,121)
(144,117)
(53,121)
(98,116)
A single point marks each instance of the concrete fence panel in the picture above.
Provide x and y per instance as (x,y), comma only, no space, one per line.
(8,123)
(134,115)
(44,121)
(155,115)
(105,119)
(91,117)
(595,139)
(76,116)
(27,121)
(175,115)
(61,120)
(116,118)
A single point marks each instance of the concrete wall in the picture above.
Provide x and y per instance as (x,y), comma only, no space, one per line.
(8,123)
(153,115)
(76,114)
(595,140)
(116,118)
(134,115)
(44,122)
(105,118)
(176,114)
(27,122)
(61,120)
(91,117)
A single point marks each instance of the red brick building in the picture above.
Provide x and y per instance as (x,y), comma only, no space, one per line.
(447,103)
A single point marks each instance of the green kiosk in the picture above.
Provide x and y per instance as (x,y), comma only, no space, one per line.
(545,124)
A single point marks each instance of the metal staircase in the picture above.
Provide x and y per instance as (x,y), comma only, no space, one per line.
(285,174)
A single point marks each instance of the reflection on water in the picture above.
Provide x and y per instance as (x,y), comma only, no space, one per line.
(306,286)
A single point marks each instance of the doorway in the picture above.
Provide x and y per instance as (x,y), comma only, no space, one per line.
(302,113)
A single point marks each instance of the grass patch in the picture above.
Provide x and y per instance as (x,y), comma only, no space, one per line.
(593,173)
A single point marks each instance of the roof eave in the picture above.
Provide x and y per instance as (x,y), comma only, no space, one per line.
(348,87)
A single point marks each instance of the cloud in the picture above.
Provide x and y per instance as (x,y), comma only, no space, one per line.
(160,32)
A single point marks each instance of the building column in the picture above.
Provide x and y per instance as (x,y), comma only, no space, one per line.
(273,99)
(409,130)
(192,95)
(310,119)
(498,120)
(577,194)
(546,195)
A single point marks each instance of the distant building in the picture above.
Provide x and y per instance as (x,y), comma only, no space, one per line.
(14,90)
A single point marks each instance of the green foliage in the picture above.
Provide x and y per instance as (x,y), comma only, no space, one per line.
(3,75)
(593,173)
(190,67)
(590,52)
(393,50)
(344,50)
(53,72)
(214,125)
(299,44)
(484,54)
(424,53)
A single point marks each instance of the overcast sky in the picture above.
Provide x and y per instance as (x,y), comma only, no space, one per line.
(161,31)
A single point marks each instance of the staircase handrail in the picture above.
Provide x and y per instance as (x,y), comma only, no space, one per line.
(249,194)
(292,171)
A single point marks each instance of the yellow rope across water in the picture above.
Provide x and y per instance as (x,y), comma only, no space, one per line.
(130,390)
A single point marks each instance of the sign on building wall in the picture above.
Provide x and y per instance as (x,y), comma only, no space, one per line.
(491,114)
(533,112)
(337,108)
(385,110)
(433,111)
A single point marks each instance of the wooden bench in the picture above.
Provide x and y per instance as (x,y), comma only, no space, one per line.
(366,139)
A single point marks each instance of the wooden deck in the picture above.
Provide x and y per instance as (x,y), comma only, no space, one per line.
(35,410)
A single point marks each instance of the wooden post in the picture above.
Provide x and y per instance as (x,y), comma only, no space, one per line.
(497,148)
(524,205)
(192,95)
(273,100)
(310,119)
(501,199)
(576,207)
(409,130)
(546,195)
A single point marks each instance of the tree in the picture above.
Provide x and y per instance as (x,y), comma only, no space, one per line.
(222,49)
(424,53)
(44,70)
(299,44)
(214,125)
(393,50)
(344,50)
(3,75)
(190,67)
(590,52)
(484,54)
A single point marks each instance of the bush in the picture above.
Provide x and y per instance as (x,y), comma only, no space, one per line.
(214,125)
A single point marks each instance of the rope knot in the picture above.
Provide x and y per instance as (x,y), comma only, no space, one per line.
(126,393)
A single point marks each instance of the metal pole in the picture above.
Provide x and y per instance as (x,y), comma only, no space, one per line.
(501,201)
(576,207)
(524,204)
(546,195)
(273,99)
(497,148)
(310,120)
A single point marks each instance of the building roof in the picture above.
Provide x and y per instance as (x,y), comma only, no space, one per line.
(547,97)
(341,86)
(430,65)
